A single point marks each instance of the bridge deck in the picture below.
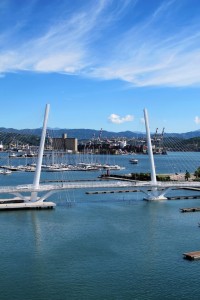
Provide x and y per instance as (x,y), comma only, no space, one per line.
(97,184)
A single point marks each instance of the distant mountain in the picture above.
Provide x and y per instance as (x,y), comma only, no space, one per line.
(191,134)
(87,134)
(74,133)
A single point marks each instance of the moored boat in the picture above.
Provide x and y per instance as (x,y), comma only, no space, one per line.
(133,161)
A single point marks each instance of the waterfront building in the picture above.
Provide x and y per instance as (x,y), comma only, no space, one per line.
(65,144)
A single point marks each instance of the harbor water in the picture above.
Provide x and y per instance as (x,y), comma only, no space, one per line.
(106,246)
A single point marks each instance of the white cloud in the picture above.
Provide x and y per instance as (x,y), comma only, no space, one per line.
(145,56)
(63,47)
(197,120)
(116,119)
(84,42)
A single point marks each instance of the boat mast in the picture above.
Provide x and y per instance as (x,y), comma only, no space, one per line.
(36,180)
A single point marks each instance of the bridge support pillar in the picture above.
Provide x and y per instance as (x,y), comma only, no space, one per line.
(155,194)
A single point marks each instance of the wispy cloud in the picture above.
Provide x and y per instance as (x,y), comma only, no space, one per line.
(62,48)
(116,119)
(148,55)
(101,39)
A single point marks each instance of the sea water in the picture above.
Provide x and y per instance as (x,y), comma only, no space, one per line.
(112,246)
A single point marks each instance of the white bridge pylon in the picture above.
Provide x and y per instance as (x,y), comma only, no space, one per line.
(155,194)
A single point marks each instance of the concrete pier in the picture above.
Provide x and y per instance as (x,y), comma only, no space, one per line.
(27,205)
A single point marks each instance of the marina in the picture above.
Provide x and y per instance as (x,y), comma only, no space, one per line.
(58,167)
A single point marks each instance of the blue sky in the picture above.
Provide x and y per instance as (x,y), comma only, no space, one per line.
(99,63)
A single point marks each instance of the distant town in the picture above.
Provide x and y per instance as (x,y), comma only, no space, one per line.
(27,142)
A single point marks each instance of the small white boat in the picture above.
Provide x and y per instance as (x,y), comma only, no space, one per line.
(54,169)
(133,161)
(12,155)
(6,172)
(112,167)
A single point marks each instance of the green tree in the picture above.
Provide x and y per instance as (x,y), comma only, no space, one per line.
(197,172)
(187,175)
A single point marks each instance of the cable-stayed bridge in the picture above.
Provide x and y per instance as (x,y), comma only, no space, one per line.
(27,196)
(21,201)
(141,185)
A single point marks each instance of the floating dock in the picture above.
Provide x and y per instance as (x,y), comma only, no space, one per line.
(191,188)
(192,255)
(183,197)
(190,209)
(110,192)
(27,205)
(135,190)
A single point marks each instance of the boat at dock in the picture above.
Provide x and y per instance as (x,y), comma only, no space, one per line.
(97,166)
(133,161)
(55,168)
(5,172)
(12,155)
(112,167)
(10,168)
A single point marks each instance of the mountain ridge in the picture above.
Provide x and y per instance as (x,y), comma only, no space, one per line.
(82,133)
